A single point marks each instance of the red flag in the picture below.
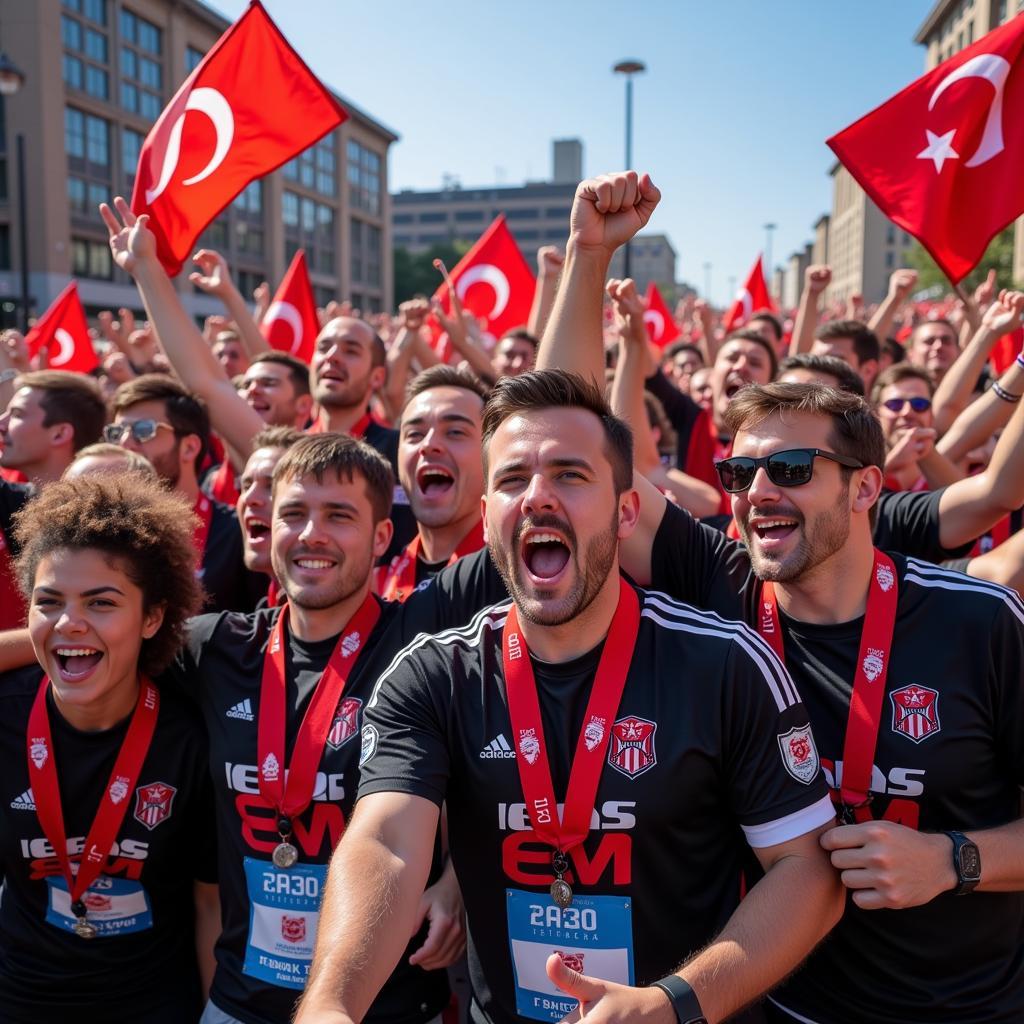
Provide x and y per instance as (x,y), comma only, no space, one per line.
(493,281)
(1005,351)
(261,106)
(935,158)
(65,333)
(750,298)
(291,323)
(661,327)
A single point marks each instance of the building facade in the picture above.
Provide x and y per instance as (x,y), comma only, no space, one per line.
(651,258)
(120,62)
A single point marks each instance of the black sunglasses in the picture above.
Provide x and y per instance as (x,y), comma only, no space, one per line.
(917,403)
(790,468)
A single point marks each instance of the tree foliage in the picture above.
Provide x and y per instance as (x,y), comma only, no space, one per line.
(415,273)
(998,256)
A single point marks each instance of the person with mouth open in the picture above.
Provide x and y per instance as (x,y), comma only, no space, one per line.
(110,908)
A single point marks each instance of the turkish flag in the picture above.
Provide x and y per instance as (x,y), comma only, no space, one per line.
(291,323)
(493,281)
(942,158)
(63,330)
(753,296)
(661,327)
(249,106)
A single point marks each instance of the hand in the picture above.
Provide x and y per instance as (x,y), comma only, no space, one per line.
(261,296)
(413,313)
(117,368)
(549,261)
(1004,315)
(705,318)
(441,905)
(132,244)
(901,283)
(215,278)
(607,1001)
(985,292)
(911,446)
(14,351)
(609,210)
(143,347)
(890,866)
(629,309)
(817,278)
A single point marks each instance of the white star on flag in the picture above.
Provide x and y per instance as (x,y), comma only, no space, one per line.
(939,148)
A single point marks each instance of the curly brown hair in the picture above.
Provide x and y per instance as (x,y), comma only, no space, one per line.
(145,530)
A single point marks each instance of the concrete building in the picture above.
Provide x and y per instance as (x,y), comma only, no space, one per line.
(121,61)
(651,258)
(793,276)
(949,27)
(819,247)
(567,160)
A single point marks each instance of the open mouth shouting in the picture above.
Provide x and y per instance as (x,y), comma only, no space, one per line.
(734,383)
(76,662)
(434,482)
(773,531)
(257,532)
(544,554)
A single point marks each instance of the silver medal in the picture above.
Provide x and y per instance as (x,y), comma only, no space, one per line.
(84,930)
(561,893)
(285,855)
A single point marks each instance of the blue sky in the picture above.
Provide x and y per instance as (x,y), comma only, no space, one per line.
(730,119)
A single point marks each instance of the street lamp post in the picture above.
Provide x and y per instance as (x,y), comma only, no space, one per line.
(12,78)
(707,282)
(629,68)
(768,229)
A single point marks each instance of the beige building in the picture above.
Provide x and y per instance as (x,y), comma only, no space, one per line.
(819,247)
(950,26)
(98,73)
(793,276)
(651,258)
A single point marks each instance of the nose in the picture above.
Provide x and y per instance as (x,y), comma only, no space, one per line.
(431,441)
(311,532)
(762,491)
(539,495)
(70,622)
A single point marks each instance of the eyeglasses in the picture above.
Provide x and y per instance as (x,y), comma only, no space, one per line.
(140,430)
(917,403)
(790,468)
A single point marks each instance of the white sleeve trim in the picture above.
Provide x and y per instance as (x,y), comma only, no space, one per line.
(792,826)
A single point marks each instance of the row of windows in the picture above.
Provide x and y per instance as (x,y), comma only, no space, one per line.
(477,216)
(364,177)
(434,237)
(315,168)
(94,10)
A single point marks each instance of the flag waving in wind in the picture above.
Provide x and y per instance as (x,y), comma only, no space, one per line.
(661,327)
(752,297)
(291,323)
(62,330)
(249,106)
(942,158)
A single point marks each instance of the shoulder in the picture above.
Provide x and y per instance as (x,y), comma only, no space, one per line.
(226,629)
(965,593)
(20,683)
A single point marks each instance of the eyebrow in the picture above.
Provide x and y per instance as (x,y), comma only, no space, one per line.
(85,593)
(562,462)
(333,506)
(448,417)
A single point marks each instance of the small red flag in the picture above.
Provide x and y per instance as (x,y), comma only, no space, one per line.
(1005,351)
(754,295)
(63,330)
(942,158)
(661,327)
(260,107)
(493,281)
(291,323)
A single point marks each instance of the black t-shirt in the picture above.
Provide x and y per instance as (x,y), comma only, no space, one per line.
(259,976)
(957,763)
(694,753)
(385,440)
(12,498)
(146,972)
(682,412)
(228,584)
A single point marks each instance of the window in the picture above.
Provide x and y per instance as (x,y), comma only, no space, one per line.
(97,83)
(74,132)
(373,246)
(364,177)
(97,135)
(149,106)
(322,296)
(890,235)
(248,239)
(356,247)
(248,281)
(131,146)
(326,164)
(525,213)
(91,259)
(95,45)
(401,239)
(96,10)
(141,76)
(76,195)
(150,74)
(70,33)
(290,209)
(74,75)
(129,63)
(250,199)
(407,218)
(561,212)
(433,218)
(192,58)
(469,216)
(527,236)
(890,260)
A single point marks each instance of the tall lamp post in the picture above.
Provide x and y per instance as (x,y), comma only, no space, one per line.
(629,68)
(707,282)
(769,228)
(12,78)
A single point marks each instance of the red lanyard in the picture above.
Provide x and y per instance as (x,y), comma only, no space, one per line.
(275,594)
(204,510)
(400,580)
(12,608)
(42,774)
(868,682)
(357,430)
(290,791)
(528,731)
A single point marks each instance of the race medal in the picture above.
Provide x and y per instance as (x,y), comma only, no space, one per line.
(561,892)
(84,930)
(285,855)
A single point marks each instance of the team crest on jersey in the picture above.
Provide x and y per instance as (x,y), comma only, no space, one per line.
(153,803)
(767,618)
(529,745)
(119,789)
(38,751)
(915,712)
(293,929)
(885,577)
(271,768)
(799,754)
(874,663)
(346,722)
(631,750)
(574,961)
(350,644)
(594,732)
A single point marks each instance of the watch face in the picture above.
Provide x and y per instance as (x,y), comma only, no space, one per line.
(970,862)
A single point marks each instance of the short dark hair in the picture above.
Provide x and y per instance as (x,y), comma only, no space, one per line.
(896,351)
(546,389)
(186,413)
(864,340)
(276,437)
(144,529)
(318,455)
(67,397)
(298,371)
(930,323)
(757,338)
(683,346)
(521,334)
(769,318)
(847,378)
(442,375)
(896,374)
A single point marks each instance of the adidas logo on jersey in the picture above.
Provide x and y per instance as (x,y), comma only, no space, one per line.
(242,710)
(25,802)
(498,747)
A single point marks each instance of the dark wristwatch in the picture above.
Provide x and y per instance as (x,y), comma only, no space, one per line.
(966,862)
(683,999)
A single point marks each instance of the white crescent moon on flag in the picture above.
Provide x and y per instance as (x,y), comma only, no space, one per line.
(290,315)
(67,347)
(994,70)
(746,301)
(211,103)
(489,274)
(657,321)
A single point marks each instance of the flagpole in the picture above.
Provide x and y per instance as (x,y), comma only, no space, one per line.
(629,68)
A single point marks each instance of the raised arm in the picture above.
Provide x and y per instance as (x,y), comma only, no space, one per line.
(984,416)
(411,313)
(901,284)
(549,265)
(215,279)
(816,279)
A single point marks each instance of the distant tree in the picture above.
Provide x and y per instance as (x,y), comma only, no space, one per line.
(998,256)
(415,273)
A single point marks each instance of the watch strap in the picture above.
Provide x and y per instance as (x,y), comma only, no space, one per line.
(965,884)
(683,999)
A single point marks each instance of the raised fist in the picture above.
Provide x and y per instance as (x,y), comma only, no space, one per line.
(610,209)
(817,278)
(901,283)
(549,260)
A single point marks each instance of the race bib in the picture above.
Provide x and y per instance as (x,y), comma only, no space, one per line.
(284,911)
(116,906)
(594,935)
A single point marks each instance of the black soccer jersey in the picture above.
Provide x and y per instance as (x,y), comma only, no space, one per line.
(699,745)
(950,755)
(141,968)
(385,440)
(228,584)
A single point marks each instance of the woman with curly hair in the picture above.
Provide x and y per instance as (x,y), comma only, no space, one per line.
(105,818)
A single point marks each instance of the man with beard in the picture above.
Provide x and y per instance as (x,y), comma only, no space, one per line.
(576,900)
(156,417)
(440,470)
